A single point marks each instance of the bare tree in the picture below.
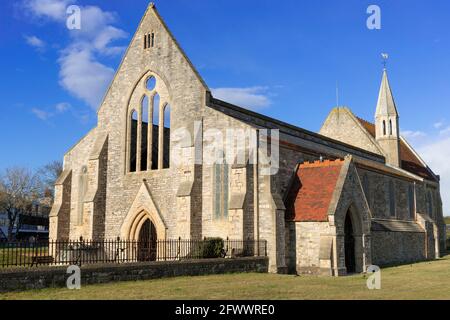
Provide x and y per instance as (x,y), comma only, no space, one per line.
(48,175)
(19,187)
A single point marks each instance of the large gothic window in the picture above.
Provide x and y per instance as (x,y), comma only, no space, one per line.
(148,144)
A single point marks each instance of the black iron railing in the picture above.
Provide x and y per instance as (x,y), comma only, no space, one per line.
(81,252)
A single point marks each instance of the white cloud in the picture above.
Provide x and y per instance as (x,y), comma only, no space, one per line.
(438,125)
(413,134)
(445,131)
(105,37)
(252,97)
(35,42)
(83,76)
(41,114)
(82,73)
(437,156)
(49,9)
(46,115)
(62,107)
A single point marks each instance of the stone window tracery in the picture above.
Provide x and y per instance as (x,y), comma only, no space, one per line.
(148,137)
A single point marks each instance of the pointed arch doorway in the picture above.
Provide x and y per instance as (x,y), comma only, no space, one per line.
(147,242)
(349,244)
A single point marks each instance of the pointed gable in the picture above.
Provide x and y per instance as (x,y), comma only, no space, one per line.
(342,125)
(164,57)
(312,190)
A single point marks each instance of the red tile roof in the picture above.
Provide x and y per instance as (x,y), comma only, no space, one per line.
(311,191)
(410,162)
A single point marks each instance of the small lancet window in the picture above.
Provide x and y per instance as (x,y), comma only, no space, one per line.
(411,202)
(82,189)
(133,140)
(152,40)
(390,127)
(155,131)
(149,40)
(166,141)
(384,128)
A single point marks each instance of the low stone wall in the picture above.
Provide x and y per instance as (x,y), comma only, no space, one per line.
(47,277)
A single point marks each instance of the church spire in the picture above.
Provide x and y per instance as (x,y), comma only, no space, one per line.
(387,123)
(386,103)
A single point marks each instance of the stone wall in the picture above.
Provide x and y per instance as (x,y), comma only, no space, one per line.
(40,278)
(390,248)
(340,118)
(376,187)
(303,247)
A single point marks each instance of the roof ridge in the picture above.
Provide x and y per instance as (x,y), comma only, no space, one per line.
(364,120)
(321,163)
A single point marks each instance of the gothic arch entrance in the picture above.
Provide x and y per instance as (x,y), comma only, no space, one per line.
(147,242)
(349,244)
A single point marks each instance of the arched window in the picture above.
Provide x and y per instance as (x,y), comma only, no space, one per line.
(166,141)
(144,132)
(390,127)
(133,140)
(148,130)
(384,128)
(155,131)
(221,187)
(392,199)
(82,189)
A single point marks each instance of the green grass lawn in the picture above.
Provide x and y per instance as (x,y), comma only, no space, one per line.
(427,280)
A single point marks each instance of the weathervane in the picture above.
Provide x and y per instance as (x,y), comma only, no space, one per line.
(385,57)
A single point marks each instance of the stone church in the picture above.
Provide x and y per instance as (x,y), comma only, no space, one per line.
(332,203)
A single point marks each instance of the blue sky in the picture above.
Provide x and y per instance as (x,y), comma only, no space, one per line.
(282,59)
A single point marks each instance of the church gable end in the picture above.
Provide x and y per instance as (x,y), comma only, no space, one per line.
(153,50)
(342,125)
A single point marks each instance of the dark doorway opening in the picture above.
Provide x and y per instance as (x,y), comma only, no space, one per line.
(147,242)
(350,261)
